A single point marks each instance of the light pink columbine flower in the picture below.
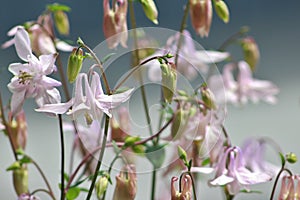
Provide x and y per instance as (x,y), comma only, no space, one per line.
(191,62)
(290,190)
(231,172)
(244,88)
(41,37)
(30,79)
(186,188)
(90,102)
(201,15)
(115,23)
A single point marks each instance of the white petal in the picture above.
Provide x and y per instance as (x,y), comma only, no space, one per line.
(22,43)
(63,46)
(8,43)
(203,170)
(221,180)
(17,101)
(59,108)
(211,56)
(47,63)
(15,68)
(154,72)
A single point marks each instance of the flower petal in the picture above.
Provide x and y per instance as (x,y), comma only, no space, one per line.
(59,108)
(211,56)
(22,43)
(17,101)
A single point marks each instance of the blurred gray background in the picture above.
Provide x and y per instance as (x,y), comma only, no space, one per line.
(275,26)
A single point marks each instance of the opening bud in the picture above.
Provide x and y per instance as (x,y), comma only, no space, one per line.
(101,186)
(208,97)
(169,79)
(179,123)
(74,64)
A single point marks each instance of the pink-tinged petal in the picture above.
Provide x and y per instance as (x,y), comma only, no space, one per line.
(63,46)
(47,63)
(48,97)
(211,56)
(45,44)
(245,177)
(96,85)
(16,68)
(154,72)
(22,43)
(49,83)
(8,43)
(13,30)
(245,74)
(112,101)
(17,101)
(59,108)
(221,180)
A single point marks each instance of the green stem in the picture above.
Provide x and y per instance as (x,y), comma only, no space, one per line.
(62,168)
(182,27)
(100,158)
(153,183)
(42,190)
(227,194)
(233,38)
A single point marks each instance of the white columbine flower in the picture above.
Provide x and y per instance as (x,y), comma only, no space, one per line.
(90,102)
(30,79)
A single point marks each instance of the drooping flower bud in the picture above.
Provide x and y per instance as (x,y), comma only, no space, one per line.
(101,186)
(114,22)
(18,127)
(179,124)
(208,97)
(251,52)
(150,10)
(201,16)
(20,180)
(290,187)
(62,22)
(126,184)
(222,10)
(74,64)
(186,188)
(169,79)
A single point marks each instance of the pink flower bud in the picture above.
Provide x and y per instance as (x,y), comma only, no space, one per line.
(114,22)
(201,16)
(186,188)
(126,184)
(18,130)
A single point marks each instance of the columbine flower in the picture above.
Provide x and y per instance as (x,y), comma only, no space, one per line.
(201,16)
(41,36)
(191,62)
(253,151)
(245,87)
(114,22)
(126,184)
(232,172)
(289,190)
(186,188)
(91,102)
(30,79)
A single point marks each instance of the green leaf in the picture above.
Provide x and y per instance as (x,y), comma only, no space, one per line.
(205,162)
(130,140)
(58,7)
(73,193)
(25,160)
(14,166)
(282,159)
(66,177)
(20,152)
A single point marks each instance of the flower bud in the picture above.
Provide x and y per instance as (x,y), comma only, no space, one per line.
(208,98)
(181,117)
(101,186)
(18,132)
(251,52)
(125,184)
(201,16)
(222,10)
(169,78)
(62,22)
(150,10)
(74,64)
(182,153)
(20,180)
(291,158)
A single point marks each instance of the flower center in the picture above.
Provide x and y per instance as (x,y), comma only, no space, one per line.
(24,77)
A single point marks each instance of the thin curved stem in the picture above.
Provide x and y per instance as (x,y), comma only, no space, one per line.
(62,168)
(182,27)
(193,183)
(100,158)
(42,190)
